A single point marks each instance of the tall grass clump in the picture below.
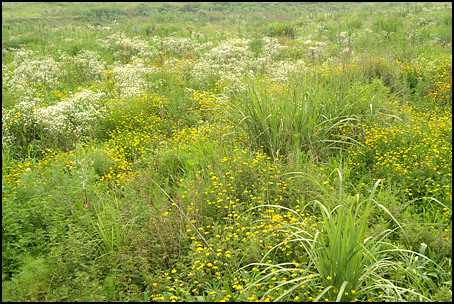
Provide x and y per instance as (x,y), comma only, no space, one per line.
(292,117)
(281,29)
(164,163)
(342,262)
(389,24)
(112,229)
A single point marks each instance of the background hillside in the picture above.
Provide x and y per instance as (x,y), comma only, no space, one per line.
(223,151)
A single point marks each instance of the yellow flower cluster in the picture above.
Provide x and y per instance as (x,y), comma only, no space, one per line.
(416,153)
(435,75)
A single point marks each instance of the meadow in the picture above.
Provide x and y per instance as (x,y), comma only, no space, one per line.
(226,151)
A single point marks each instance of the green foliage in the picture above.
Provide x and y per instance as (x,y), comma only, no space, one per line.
(339,259)
(303,116)
(256,46)
(281,29)
(175,164)
(28,41)
(390,24)
(354,24)
(113,230)
(100,14)
(271,151)
(77,271)
(29,224)
(31,282)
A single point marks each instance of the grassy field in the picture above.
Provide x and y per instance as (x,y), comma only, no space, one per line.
(226,151)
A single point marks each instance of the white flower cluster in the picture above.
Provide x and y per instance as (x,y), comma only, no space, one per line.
(127,47)
(18,120)
(232,82)
(281,71)
(131,78)
(99,27)
(272,49)
(345,39)
(26,71)
(7,136)
(434,39)
(88,62)
(12,38)
(230,51)
(14,4)
(177,45)
(317,51)
(58,119)
(88,98)
(70,118)
(224,64)
(178,67)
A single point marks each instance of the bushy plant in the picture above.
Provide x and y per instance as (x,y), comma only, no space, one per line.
(298,117)
(281,29)
(340,263)
(30,284)
(226,152)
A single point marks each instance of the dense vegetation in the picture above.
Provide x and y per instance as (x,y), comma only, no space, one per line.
(226,151)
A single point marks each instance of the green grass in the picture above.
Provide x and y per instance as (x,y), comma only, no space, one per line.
(227,152)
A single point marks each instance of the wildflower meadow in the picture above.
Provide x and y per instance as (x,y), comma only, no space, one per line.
(227,151)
